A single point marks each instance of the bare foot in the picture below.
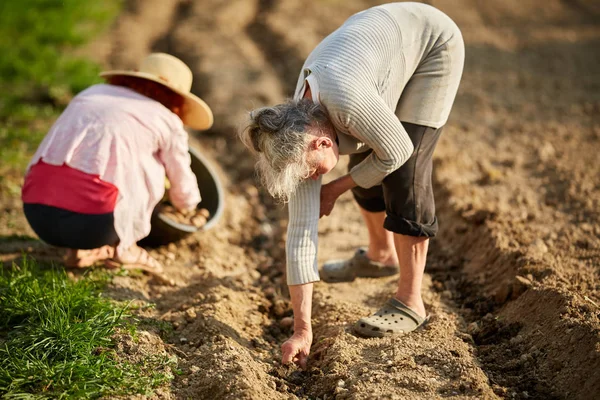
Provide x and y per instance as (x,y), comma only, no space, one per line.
(84,258)
(137,258)
(385,256)
(415,303)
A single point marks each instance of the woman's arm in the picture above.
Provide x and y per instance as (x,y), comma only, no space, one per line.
(184,193)
(372,122)
(297,347)
(303,234)
(302,268)
(331,191)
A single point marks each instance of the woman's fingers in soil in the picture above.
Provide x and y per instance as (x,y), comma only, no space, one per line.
(301,360)
(294,350)
(288,352)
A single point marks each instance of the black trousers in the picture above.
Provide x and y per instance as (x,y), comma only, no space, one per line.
(406,195)
(64,228)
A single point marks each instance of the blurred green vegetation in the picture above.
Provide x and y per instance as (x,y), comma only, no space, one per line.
(57,339)
(39,73)
(57,335)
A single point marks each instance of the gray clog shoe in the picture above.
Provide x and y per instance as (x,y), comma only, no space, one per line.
(394,318)
(359,266)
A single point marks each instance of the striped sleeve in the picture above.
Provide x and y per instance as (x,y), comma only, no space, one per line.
(302,234)
(371,121)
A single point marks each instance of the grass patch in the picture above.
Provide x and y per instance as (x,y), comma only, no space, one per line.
(38,76)
(17,238)
(57,338)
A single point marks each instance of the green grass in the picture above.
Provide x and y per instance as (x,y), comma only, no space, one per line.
(56,339)
(17,238)
(38,74)
(57,335)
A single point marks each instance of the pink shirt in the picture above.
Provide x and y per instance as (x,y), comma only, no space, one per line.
(130,141)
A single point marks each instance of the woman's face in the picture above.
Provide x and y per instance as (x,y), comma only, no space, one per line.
(324,155)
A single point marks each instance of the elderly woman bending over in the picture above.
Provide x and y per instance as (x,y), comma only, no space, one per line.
(379,88)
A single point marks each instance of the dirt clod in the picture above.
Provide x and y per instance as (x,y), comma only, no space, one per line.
(286,323)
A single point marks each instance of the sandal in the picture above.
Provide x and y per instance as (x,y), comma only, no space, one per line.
(394,318)
(78,258)
(137,258)
(359,266)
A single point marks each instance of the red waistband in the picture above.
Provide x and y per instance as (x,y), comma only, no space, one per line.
(68,188)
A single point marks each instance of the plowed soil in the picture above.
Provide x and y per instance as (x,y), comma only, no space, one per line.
(513,279)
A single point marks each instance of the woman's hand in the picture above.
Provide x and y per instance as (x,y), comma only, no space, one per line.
(297,348)
(331,191)
(329,194)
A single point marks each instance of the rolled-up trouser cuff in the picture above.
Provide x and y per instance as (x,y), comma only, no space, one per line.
(406,194)
(406,227)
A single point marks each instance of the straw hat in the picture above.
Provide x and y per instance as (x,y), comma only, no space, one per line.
(174,74)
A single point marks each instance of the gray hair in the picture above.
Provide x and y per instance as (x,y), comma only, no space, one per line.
(278,136)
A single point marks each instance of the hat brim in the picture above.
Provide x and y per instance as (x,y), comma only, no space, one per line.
(198,114)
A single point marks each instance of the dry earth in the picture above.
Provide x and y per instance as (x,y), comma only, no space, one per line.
(513,277)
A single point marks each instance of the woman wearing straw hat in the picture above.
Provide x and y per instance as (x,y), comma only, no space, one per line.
(379,88)
(100,171)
